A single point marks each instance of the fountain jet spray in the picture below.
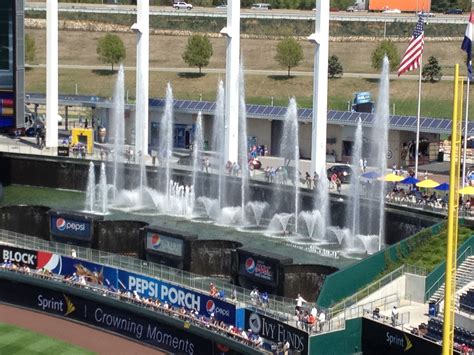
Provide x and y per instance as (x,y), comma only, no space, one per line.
(243,144)
(118,123)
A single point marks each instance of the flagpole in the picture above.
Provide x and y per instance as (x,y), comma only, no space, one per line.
(417,142)
(464,155)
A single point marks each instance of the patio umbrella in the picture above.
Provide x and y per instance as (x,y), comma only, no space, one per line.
(428,183)
(468,190)
(370,175)
(443,187)
(391,178)
(409,181)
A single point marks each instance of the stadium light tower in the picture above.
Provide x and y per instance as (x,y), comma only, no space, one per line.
(320,87)
(142,29)
(232,32)
(52,73)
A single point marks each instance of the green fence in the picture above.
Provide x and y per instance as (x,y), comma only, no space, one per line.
(346,282)
(347,341)
(435,278)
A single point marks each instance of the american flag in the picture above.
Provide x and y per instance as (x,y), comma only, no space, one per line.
(412,57)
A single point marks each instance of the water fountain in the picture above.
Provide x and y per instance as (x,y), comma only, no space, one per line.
(90,192)
(378,152)
(353,217)
(198,148)
(118,129)
(218,142)
(103,190)
(243,144)
(314,223)
(256,209)
(289,150)
(166,137)
(140,156)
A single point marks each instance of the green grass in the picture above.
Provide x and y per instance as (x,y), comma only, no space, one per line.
(19,341)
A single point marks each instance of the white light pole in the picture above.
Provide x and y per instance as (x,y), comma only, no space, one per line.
(232,32)
(320,87)
(52,73)
(142,30)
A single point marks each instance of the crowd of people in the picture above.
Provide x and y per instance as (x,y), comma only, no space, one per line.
(189,315)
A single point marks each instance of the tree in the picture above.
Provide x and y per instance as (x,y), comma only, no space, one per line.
(198,51)
(30,48)
(432,70)
(334,67)
(289,53)
(111,49)
(385,48)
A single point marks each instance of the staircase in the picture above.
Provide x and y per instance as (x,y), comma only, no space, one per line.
(464,275)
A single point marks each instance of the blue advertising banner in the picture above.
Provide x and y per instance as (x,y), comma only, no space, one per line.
(176,296)
(112,318)
(66,266)
(70,227)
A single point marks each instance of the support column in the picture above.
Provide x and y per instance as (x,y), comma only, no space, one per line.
(232,32)
(320,87)
(143,44)
(52,74)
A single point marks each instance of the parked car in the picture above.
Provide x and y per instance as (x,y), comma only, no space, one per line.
(392,11)
(343,171)
(181,5)
(454,12)
(261,6)
(221,7)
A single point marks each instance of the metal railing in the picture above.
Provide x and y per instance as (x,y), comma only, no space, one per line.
(367,290)
(383,304)
(281,308)
(460,259)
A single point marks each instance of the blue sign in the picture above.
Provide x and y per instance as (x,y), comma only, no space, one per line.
(77,227)
(177,296)
(67,266)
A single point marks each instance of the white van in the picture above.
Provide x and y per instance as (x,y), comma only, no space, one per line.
(261,6)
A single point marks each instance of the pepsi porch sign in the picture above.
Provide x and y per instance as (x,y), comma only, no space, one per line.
(76,227)
(176,296)
(157,242)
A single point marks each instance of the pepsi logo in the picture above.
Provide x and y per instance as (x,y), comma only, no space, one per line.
(250,265)
(61,224)
(210,306)
(155,241)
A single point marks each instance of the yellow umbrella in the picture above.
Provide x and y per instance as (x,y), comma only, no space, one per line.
(468,190)
(391,178)
(428,183)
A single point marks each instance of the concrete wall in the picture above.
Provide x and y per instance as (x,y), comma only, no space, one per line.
(304,279)
(415,287)
(120,237)
(214,258)
(29,220)
(261,129)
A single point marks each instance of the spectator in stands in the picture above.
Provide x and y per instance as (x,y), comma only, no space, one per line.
(299,302)
(321,320)
(286,348)
(314,311)
(233,295)
(394,316)
(311,323)
(254,296)
(264,299)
